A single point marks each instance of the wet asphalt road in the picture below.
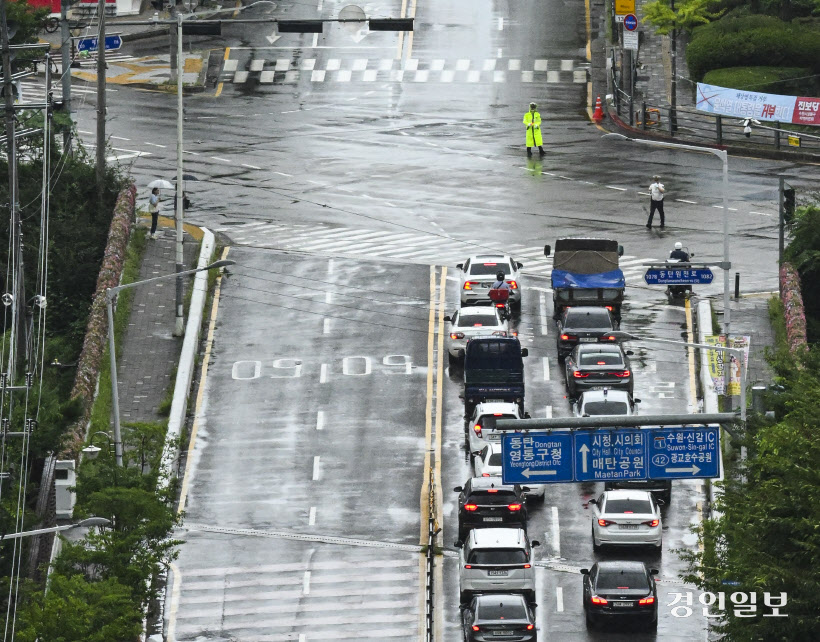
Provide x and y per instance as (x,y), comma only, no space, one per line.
(338,190)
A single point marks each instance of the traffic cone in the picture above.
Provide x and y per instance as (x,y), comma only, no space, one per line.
(598,114)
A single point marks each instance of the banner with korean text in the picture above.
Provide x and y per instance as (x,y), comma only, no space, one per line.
(717,360)
(752,104)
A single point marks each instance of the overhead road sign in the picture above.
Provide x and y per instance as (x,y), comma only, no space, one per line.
(390,24)
(678,276)
(300,26)
(553,423)
(112,43)
(536,458)
(201,28)
(615,454)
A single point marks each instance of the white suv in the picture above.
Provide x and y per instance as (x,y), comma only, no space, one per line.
(496,560)
(477,434)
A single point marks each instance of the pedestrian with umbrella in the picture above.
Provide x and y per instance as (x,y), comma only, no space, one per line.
(154,206)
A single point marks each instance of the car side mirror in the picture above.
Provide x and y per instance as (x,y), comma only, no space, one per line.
(521,265)
(524,352)
(660,502)
(691,254)
(460,266)
(547,250)
(586,414)
(447,317)
(458,489)
(636,401)
(475,453)
(653,571)
(527,415)
(526,489)
(629,353)
(584,571)
(620,250)
(458,543)
(593,501)
(535,543)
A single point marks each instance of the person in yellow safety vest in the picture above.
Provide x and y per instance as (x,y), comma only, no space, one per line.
(532,121)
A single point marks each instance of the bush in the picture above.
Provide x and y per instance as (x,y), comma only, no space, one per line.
(752,41)
(788,81)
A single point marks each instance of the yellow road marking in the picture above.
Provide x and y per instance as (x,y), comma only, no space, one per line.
(437,568)
(175,593)
(401,33)
(220,85)
(183,493)
(238,6)
(589,31)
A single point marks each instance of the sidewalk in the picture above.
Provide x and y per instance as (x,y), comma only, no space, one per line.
(150,352)
(750,317)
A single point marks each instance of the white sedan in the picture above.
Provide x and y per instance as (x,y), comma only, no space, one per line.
(626,517)
(477,434)
(605,402)
(487,463)
(468,323)
(478,274)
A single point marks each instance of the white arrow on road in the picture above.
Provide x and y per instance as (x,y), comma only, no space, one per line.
(360,35)
(584,450)
(273,37)
(694,470)
(529,473)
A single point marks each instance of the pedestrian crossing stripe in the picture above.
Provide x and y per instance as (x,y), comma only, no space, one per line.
(400,75)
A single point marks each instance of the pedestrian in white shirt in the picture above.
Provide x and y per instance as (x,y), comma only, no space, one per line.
(656,192)
(153,209)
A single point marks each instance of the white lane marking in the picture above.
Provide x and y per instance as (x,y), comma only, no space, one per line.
(217,158)
(559,599)
(720,207)
(312,516)
(328,297)
(620,189)
(320,420)
(546,363)
(760,213)
(323,373)
(548,412)
(155,145)
(316,468)
(283,174)
(326,327)
(302,637)
(315,39)
(501,24)
(306,584)
(683,200)
(556,533)
(251,166)
(542,309)
(330,266)
(119,138)
(193,153)
(644,193)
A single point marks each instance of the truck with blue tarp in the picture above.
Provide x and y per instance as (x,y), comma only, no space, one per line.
(585,272)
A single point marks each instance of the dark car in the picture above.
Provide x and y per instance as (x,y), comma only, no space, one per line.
(660,488)
(485,502)
(501,616)
(596,365)
(584,324)
(493,371)
(616,590)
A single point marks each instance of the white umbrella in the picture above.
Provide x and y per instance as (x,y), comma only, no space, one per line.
(161,183)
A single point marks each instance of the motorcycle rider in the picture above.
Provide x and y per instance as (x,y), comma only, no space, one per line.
(679,254)
(500,283)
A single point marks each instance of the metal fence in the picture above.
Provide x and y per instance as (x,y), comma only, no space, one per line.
(432,531)
(694,126)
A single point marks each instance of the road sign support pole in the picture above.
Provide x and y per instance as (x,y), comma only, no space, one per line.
(101,108)
(65,56)
(179,329)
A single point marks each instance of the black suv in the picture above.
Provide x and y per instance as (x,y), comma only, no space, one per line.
(484,502)
(490,616)
(584,324)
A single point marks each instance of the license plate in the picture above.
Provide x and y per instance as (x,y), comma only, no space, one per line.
(628,527)
(493,519)
(587,339)
(499,634)
(497,573)
(622,605)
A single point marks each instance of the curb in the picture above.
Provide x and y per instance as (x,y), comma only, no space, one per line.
(185,368)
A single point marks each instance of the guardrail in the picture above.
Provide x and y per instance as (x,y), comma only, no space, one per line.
(432,531)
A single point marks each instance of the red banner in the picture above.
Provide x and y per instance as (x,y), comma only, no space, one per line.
(806,111)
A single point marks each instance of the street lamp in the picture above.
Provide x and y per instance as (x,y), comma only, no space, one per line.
(724,157)
(91,451)
(86,523)
(110,293)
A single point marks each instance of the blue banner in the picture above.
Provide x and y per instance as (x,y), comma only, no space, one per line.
(564,279)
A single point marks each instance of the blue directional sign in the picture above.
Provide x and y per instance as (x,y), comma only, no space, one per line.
(90,44)
(679,276)
(630,22)
(610,455)
(683,453)
(536,458)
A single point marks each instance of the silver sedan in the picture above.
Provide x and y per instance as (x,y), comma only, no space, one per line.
(468,323)
(478,274)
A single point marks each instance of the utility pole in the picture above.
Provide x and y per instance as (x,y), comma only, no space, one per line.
(15,232)
(673,98)
(101,106)
(65,51)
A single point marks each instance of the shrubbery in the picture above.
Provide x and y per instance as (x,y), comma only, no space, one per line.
(754,40)
(788,81)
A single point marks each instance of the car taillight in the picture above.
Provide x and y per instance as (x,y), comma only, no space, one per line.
(580,375)
(530,627)
(475,627)
(470,507)
(608,307)
(492,490)
(623,374)
(456,335)
(604,522)
(527,565)
(499,305)
(468,285)
(514,507)
(485,474)
(609,338)
(513,285)
(598,600)
(477,429)
(468,566)
(568,337)
(500,333)
(651,522)
(646,600)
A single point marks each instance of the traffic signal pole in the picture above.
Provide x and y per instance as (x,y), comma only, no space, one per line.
(101,106)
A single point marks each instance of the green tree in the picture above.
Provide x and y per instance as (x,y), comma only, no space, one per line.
(77,610)
(687,14)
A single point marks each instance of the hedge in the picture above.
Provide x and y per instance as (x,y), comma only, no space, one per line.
(753,41)
(787,81)
(793,304)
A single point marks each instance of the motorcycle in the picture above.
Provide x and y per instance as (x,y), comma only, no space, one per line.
(675,292)
(500,298)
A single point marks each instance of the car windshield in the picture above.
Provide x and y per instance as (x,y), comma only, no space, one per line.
(493,499)
(481,268)
(493,355)
(601,359)
(627,506)
(597,319)
(476,320)
(605,408)
(621,579)
(482,419)
(501,609)
(498,556)
(495,459)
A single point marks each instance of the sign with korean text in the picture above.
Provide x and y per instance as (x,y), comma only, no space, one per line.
(717,360)
(610,455)
(112,43)
(676,453)
(631,40)
(536,458)
(740,103)
(693,276)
